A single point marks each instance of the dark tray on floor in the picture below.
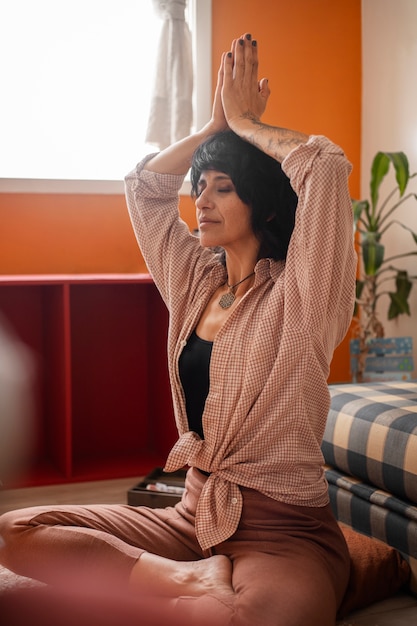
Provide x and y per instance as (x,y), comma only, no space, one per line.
(141,495)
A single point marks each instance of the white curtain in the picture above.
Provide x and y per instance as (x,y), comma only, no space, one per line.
(171,110)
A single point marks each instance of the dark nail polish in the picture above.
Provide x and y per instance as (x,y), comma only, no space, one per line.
(241,42)
(229,54)
(254,43)
(248,36)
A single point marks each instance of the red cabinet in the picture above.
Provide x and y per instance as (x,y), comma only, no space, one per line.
(102,398)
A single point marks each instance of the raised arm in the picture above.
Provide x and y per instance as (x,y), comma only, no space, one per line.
(176,159)
(244,100)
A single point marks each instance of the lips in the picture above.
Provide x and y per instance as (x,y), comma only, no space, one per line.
(205,221)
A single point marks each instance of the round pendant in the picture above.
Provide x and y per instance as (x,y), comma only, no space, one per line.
(227,300)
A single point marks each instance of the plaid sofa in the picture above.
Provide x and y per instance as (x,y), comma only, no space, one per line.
(370,450)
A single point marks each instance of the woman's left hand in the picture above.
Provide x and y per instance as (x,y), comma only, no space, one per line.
(244,97)
(218,119)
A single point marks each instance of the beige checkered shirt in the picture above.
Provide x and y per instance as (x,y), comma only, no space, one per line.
(267,405)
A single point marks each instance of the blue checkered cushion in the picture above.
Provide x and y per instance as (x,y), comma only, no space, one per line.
(370,448)
(371,434)
(375,513)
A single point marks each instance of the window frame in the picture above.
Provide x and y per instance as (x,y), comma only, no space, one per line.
(199,12)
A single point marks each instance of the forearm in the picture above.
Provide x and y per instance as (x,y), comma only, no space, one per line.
(176,159)
(275,141)
(165,240)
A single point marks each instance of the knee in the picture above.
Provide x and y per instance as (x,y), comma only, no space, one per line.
(13,545)
(7,521)
(12,524)
(6,524)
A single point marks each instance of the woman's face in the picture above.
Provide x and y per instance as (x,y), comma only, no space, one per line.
(223,219)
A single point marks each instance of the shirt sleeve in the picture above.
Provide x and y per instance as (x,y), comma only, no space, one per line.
(321,261)
(172,254)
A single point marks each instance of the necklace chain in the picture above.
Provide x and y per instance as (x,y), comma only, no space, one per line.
(231,287)
(228,298)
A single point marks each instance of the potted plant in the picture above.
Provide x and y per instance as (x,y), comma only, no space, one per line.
(380,276)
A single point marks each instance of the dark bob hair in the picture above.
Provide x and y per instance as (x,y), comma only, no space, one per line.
(259,182)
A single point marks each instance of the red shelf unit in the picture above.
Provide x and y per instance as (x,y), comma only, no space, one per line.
(102,398)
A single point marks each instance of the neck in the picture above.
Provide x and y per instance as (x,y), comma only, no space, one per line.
(233,286)
(239,268)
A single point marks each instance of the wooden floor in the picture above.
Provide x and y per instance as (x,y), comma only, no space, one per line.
(100,492)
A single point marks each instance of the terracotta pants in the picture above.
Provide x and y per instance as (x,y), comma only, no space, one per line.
(290,564)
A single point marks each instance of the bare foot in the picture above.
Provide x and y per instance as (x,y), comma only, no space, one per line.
(164,577)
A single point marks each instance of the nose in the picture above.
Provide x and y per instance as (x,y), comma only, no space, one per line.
(203,200)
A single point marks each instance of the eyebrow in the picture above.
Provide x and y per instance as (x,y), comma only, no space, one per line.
(216,178)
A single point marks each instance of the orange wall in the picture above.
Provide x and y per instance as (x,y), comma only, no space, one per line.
(56,233)
(310,50)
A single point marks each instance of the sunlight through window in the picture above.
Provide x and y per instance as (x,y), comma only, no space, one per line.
(76,81)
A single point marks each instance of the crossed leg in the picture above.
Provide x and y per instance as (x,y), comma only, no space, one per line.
(259,576)
(291,589)
(148,550)
(166,577)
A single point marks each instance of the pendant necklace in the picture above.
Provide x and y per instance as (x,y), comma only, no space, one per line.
(228,298)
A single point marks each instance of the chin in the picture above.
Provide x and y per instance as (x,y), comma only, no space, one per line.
(207,242)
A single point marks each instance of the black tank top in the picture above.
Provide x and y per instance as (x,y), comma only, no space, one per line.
(194,367)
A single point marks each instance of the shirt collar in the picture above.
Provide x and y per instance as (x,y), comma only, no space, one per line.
(265,269)
(268,268)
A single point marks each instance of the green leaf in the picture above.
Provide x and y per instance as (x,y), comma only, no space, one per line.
(397,306)
(399,299)
(402,173)
(360,284)
(403,283)
(413,234)
(373,254)
(379,169)
(358,207)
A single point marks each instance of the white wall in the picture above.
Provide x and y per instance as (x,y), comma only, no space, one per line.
(389,120)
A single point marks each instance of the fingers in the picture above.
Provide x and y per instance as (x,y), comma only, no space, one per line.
(220,72)
(218,119)
(220,76)
(242,93)
(227,66)
(264,89)
(245,60)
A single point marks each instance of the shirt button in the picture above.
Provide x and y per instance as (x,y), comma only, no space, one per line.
(234,500)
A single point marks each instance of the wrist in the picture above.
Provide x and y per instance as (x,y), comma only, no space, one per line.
(248,127)
(211,128)
(275,141)
(245,123)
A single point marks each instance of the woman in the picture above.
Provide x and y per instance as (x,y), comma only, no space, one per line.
(252,332)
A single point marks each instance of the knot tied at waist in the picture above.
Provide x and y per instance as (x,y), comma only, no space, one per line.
(220,504)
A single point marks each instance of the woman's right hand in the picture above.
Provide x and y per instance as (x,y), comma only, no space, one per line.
(244,96)
(218,121)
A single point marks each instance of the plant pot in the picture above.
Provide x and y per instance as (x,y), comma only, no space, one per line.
(389,358)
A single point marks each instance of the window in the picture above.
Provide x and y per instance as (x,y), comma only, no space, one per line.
(76,87)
